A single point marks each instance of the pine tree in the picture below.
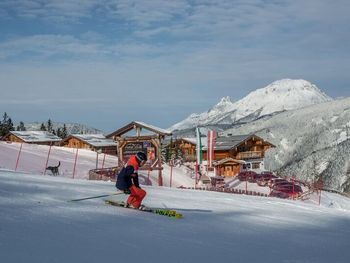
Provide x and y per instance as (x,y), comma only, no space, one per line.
(21,126)
(10,125)
(42,127)
(59,132)
(6,125)
(64,132)
(49,126)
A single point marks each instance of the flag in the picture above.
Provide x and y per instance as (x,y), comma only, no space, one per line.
(210,148)
(199,146)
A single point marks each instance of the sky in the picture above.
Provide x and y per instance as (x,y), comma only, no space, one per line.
(105,63)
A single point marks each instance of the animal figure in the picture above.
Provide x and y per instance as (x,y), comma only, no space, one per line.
(54,169)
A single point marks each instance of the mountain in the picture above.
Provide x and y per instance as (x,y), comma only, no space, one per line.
(72,128)
(281,95)
(311,143)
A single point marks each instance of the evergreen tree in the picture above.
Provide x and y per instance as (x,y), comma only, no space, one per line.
(10,125)
(42,127)
(59,133)
(21,126)
(64,132)
(49,126)
(179,156)
(6,125)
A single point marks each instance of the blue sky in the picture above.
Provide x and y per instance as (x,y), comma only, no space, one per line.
(105,63)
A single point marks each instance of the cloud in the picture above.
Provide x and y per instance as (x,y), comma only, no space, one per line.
(51,10)
(128,53)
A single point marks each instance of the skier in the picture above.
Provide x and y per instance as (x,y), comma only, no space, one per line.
(127,181)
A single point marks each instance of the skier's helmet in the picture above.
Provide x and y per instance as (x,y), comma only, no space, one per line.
(141,156)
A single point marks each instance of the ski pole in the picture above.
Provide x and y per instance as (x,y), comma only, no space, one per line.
(93,197)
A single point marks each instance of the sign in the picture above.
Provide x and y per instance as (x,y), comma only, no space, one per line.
(131,148)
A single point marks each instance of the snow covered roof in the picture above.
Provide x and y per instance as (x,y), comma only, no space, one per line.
(222,143)
(153,128)
(226,143)
(138,124)
(95,140)
(36,136)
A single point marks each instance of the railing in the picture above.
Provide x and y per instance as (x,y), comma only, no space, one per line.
(104,174)
(249,155)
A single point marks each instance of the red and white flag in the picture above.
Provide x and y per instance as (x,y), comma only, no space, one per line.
(210,151)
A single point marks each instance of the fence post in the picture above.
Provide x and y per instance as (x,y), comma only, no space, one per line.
(75,162)
(103,162)
(19,154)
(171,173)
(47,160)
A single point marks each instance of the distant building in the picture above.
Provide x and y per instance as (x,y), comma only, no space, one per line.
(33,137)
(94,142)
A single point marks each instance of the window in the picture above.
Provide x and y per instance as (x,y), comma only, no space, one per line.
(256,165)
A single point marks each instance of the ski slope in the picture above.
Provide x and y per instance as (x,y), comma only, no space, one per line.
(33,160)
(37,224)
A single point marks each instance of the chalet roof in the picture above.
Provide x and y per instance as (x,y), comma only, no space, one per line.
(95,140)
(194,141)
(223,143)
(35,136)
(227,143)
(141,125)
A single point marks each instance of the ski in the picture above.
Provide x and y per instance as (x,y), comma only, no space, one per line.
(157,211)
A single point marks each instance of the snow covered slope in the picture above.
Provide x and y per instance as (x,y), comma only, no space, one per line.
(33,159)
(281,95)
(312,143)
(37,224)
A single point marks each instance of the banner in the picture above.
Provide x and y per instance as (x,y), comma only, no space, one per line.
(199,147)
(210,148)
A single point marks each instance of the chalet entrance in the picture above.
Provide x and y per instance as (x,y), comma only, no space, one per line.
(227,167)
(132,139)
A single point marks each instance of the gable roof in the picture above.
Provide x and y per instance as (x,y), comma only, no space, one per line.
(95,140)
(35,136)
(138,124)
(225,143)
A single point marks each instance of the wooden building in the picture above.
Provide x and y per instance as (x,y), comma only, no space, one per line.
(232,154)
(32,137)
(139,136)
(187,147)
(94,142)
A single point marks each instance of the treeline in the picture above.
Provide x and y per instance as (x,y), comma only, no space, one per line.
(6,125)
(60,132)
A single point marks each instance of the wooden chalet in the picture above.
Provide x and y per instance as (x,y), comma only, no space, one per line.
(232,154)
(187,147)
(139,136)
(32,137)
(94,142)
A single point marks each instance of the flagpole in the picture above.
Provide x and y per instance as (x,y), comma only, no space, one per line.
(198,153)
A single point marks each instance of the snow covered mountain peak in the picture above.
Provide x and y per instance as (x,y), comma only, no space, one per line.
(281,95)
(224,104)
(294,85)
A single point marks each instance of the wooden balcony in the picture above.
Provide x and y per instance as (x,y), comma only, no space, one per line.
(249,155)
